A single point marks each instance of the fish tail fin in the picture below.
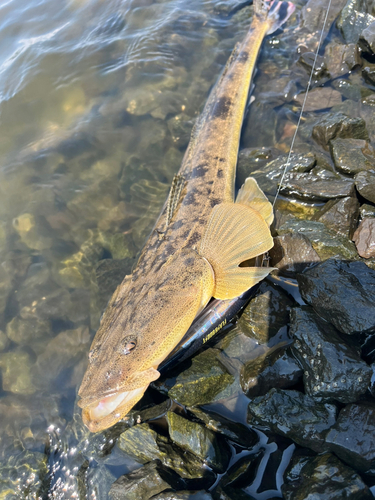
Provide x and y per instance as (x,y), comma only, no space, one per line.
(274,11)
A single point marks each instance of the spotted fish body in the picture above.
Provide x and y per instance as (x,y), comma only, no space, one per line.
(195,249)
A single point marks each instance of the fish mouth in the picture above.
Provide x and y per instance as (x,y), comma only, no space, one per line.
(108,410)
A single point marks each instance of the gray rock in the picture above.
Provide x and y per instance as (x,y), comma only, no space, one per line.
(294,415)
(307,59)
(332,368)
(352,436)
(341,58)
(320,98)
(351,156)
(365,184)
(324,476)
(364,238)
(366,40)
(367,210)
(353,19)
(342,293)
(368,73)
(292,253)
(338,125)
(340,215)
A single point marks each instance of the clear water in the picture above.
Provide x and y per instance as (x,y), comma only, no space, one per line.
(97,100)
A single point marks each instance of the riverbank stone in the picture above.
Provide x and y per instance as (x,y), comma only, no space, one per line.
(352,437)
(351,156)
(366,40)
(331,368)
(183,495)
(324,476)
(364,238)
(340,215)
(342,293)
(294,415)
(338,125)
(352,20)
(365,184)
(292,253)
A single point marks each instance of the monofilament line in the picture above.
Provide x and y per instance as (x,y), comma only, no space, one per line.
(303,103)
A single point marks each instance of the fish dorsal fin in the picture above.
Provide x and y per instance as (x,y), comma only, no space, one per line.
(235,233)
(252,196)
(174,196)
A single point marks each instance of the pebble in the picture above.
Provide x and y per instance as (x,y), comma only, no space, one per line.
(364,238)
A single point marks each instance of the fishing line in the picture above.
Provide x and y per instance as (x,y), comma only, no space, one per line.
(303,103)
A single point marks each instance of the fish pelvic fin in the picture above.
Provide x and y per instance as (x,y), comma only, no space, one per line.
(275,12)
(234,234)
(252,196)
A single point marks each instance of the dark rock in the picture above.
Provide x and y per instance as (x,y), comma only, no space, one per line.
(282,373)
(335,125)
(342,293)
(307,61)
(368,73)
(352,436)
(324,476)
(365,184)
(367,210)
(340,215)
(325,242)
(364,238)
(366,40)
(200,441)
(341,59)
(351,156)
(353,19)
(320,98)
(183,495)
(313,14)
(332,369)
(292,253)
(243,472)
(231,494)
(294,415)
(348,88)
(234,431)
(144,482)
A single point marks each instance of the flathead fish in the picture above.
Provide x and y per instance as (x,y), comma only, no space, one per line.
(195,249)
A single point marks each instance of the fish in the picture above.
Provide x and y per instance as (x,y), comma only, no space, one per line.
(194,251)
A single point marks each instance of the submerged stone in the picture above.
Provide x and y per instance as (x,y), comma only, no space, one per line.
(324,476)
(294,415)
(243,472)
(292,253)
(367,210)
(364,238)
(16,372)
(144,483)
(342,293)
(365,184)
(340,215)
(351,156)
(353,20)
(27,331)
(366,40)
(341,58)
(352,436)
(332,368)
(320,98)
(200,441)
(338,125)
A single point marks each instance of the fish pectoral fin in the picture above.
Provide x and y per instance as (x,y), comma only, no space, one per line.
(252,196)
(235,233)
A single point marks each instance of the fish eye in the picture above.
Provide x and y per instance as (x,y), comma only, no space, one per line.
(128,344)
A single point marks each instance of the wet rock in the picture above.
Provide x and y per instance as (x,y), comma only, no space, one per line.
(204,382)
(353,19)
(338,125)
(16,372)
(313,14)
(348,88)
(342,293)
(292,253)
(320,98)
(307,59)
(352,436)
(365,184)
(234,431)
(340,215)
(366,40)
(282,373)
(324,476)
(294,415)
(184,495)
(368,73)
(180,127)
(200,441)
(243,472)
(325,242)
(33,231)
(367,210)
(332,368)
(351,156)
(26,331)
(317,185)
(253,159)
(364,238)
(144,444)
(144,483)
(341,58)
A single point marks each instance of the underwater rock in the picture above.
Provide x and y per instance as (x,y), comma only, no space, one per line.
(253,159)
(34,232)
(282,373)
(239,433)
(366,40)
(4,341)
(368,73)
(340,215)
(204,382)
(307,61)
(16,372)
(353,19)
(27,331)
(365,184)
(342,293)
(364,238)
(351,156)
(243,472)
(319,98)
(332,368)
(352,436)
(144,483)
(199,441)
(5,290)
(294,415)
(325,242)
(341,59)
(312,17)
(324,476)
(338,125)
(292,253)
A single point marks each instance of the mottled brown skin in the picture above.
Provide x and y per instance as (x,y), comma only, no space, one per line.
(172,282)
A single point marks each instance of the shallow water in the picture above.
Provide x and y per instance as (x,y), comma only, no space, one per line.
(97,100)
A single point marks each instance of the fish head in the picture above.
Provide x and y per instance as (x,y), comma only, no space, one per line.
(145,319)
